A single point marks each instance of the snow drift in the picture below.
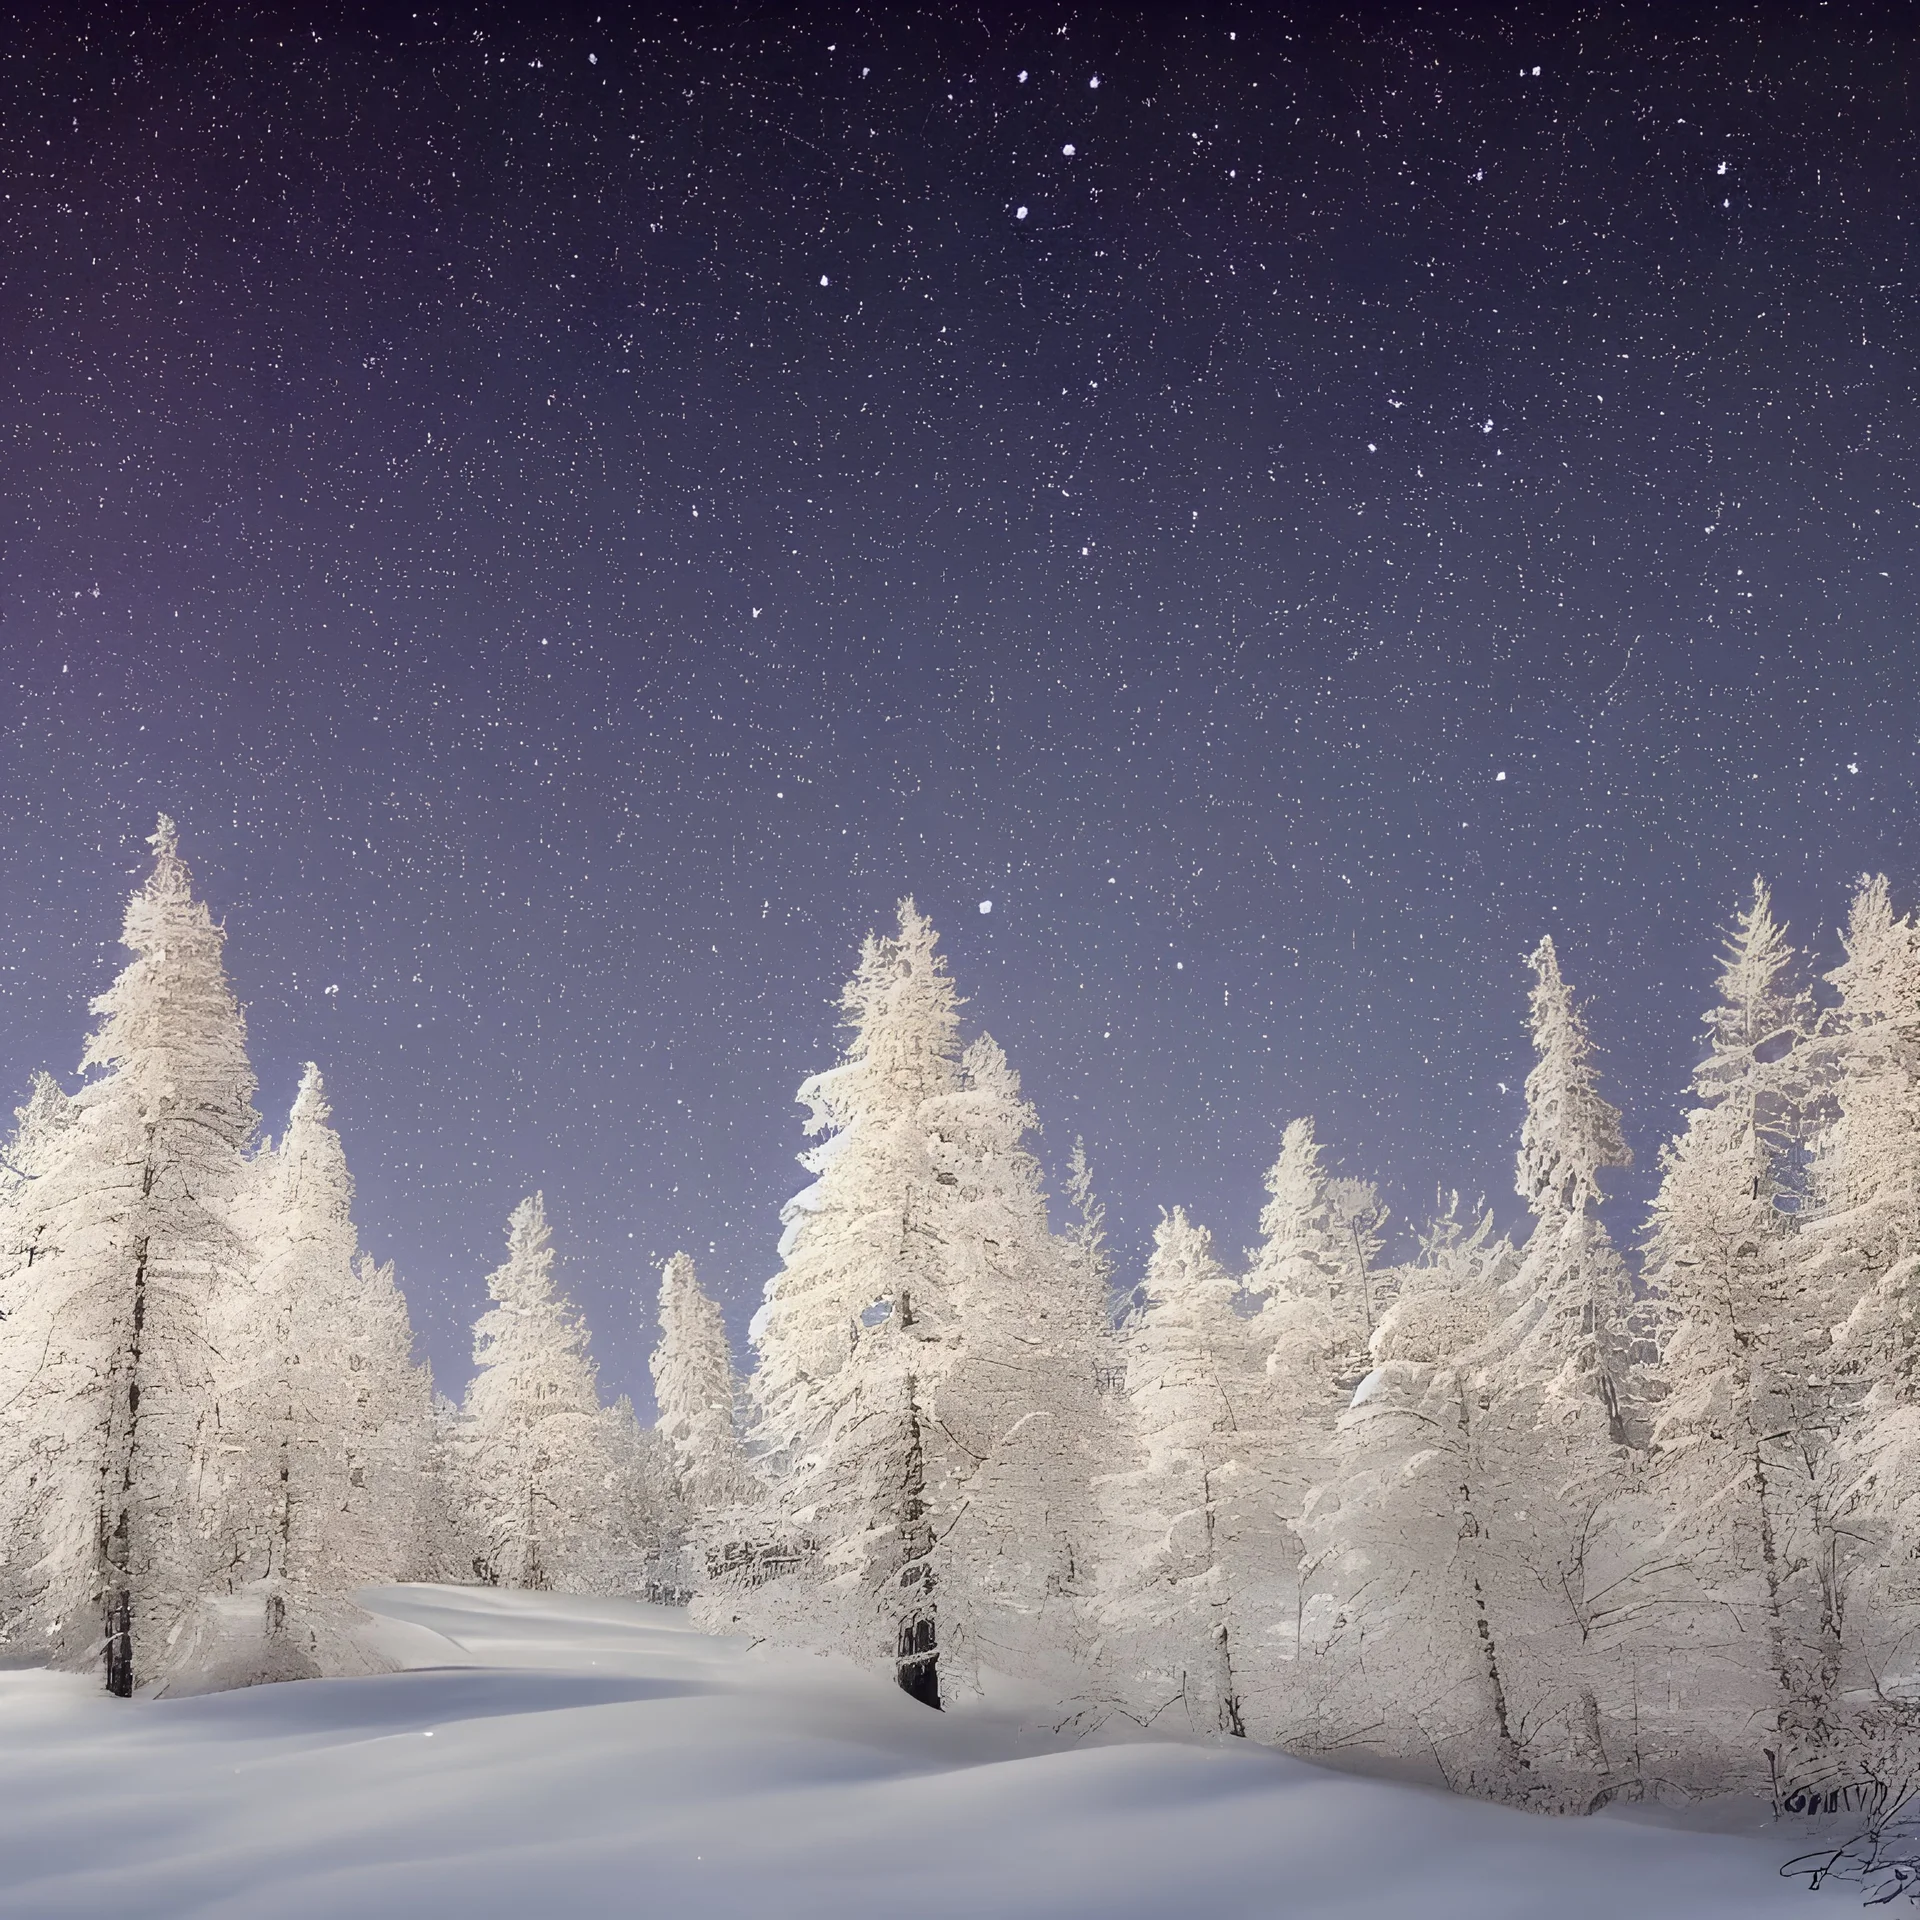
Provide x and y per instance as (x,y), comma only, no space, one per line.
(550,1756)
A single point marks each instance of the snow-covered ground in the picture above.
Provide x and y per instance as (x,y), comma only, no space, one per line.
(550,1757)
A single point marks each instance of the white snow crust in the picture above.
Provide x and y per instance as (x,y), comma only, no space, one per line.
(557,1757)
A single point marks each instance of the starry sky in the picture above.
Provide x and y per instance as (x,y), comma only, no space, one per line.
(577,511)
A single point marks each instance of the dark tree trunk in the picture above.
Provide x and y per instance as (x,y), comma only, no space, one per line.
(117,1522)
(917,1664)
(917,1672)
(119,1643)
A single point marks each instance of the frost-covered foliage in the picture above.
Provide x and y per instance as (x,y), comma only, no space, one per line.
(928,1355)
(1515,1517)
(1570,1134)
(1397,1657)
(854,1337)
(325,1420)
(1862,1256)
(1019,1400)
(130,1256)
(1464,1543)
(710,1506)
(1315,1294)
(1740,1572)
(694,1392)
(1198,1561)
(546,1475)
(212,1427)
(1509,1516)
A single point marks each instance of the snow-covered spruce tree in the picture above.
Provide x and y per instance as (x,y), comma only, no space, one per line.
(1310,1278)
(108,1382)
(1861,1257)
(1571,1134)
(1308,1275)
(854,1340)
(323,1421)
(38,1126)
(1863,1222)
(390,1477)
(1557,1416)
(1312,1283)
(538,1459)
(1399,1661)
(714,1495)
(1741,1570)
(1199,1558)
(1087,1236)
(1018,1400)
(24,1162)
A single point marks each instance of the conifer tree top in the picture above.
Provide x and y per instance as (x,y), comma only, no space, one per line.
(310,1103)
(1296,1184)
(170,879)
(1876,981)
(525,1280)
(1570,1132)
(1761,1012)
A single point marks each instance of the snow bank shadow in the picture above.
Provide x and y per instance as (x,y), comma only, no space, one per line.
(405,1702)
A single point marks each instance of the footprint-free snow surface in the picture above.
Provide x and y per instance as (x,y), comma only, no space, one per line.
(549,1757)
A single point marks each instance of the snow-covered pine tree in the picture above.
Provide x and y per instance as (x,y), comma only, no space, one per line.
(853,1338)
(320,1425)
(538,1457)
(1312,1284)
(390,1472)
(1018,1399)
(109,1378)
(1740,1569)
(694,1391)
(285,1416)
(38,1126)
(1399,1659)
(1199,1557)
(1864,1218)
(1086,1236)
(1860,1255)
(714,1495)
(1313,1323)
(1557,1407)
(25,1160)
(1571,1134)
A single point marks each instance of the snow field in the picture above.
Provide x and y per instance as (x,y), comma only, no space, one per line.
(542,1756)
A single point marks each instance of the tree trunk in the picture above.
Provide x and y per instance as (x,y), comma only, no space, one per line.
(118,1643)
(116,1519)
(1470,1534)
(917,1660)
(1226,1694)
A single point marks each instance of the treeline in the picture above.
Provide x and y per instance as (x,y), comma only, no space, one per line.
(212,1427)
(1515,1516)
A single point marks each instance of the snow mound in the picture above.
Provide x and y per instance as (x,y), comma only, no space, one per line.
(559,1757)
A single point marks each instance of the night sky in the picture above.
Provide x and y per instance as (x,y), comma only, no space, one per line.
(577,512)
